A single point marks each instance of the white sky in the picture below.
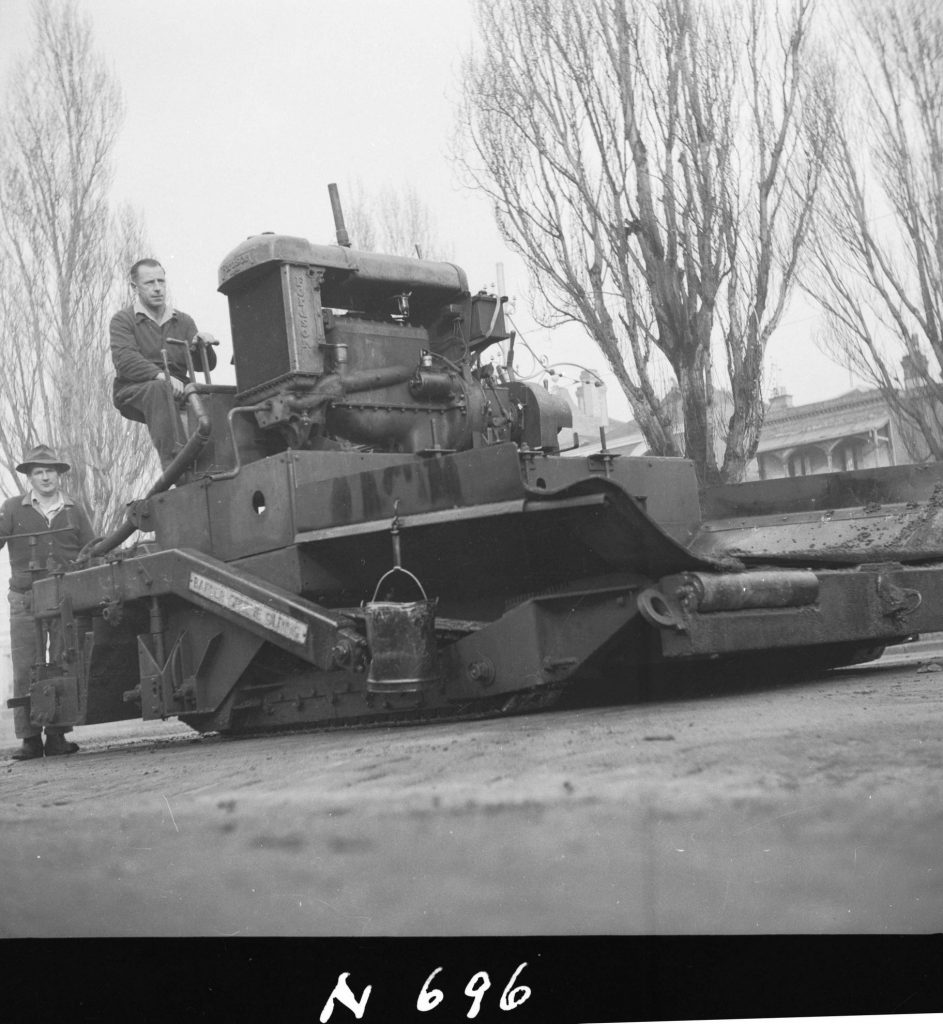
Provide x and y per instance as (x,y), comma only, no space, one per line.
(240,112)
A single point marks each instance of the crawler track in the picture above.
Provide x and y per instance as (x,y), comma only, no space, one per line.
(504,705)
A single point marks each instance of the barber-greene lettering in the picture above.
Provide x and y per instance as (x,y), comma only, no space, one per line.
(225,596)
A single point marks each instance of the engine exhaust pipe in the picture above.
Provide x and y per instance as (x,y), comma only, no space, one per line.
(342,237)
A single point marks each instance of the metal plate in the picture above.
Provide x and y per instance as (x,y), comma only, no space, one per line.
(54,701)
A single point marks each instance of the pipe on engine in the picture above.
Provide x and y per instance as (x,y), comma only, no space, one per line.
(238,410)
(338,385)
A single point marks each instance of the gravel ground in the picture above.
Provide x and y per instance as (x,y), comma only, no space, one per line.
(811,807)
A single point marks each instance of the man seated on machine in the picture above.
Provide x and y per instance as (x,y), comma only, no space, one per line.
(151,369)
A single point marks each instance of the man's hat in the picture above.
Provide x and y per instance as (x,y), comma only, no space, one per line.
(42,455)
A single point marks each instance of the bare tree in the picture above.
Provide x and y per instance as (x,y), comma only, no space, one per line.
(62,251)
(654,163)
(878,271)
(394,220)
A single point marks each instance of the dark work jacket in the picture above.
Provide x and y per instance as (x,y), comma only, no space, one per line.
(54,551)
(136,344)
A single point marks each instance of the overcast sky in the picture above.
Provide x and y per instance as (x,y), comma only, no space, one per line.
(239,114)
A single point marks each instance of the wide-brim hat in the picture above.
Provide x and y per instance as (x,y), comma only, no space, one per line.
(42,455)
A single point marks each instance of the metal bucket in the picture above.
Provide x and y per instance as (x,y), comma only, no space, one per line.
(401,638)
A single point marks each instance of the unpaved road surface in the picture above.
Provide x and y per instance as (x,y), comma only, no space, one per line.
(812,806)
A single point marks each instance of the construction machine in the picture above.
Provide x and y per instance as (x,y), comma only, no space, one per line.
(375,523)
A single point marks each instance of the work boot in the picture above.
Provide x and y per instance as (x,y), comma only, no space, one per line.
(56,744)
(32,747)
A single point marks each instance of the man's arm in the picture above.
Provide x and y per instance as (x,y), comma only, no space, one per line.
(130,365)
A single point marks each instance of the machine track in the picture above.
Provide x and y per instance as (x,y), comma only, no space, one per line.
(500,706)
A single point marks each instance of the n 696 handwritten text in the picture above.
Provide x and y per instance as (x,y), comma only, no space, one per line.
(429,998)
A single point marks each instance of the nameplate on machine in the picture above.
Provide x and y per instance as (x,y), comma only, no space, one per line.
(249,608)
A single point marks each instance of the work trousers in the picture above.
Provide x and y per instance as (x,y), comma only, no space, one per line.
(155,402)
(24,653)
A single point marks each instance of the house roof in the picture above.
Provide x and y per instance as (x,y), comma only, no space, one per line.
(857,412)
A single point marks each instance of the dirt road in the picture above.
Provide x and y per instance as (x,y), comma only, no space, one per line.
(812,807)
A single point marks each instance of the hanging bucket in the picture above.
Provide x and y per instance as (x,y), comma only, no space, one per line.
(401,638)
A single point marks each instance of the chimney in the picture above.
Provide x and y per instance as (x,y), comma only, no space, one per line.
(914,365)
(781,400)
(591,398)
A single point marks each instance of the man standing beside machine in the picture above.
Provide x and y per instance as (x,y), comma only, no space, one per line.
(151,370)
(46,530)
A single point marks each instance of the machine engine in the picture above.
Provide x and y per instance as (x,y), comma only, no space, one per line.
(339,349)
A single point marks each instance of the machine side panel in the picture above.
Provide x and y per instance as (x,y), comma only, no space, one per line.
(180,518)
(229,518)
(467,478)
(317,467)
(666,488)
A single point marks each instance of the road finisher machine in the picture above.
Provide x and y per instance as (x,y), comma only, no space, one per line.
(376,523)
